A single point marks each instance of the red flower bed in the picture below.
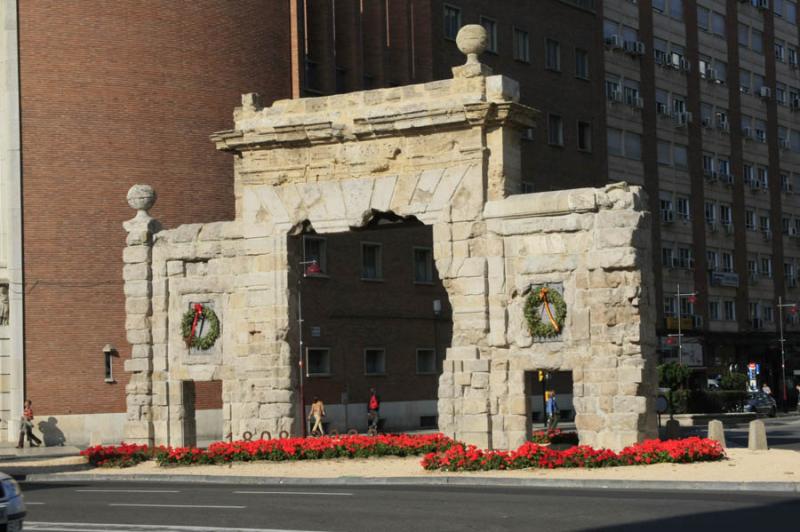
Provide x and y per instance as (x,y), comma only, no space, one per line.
(306,449)
(469,458)
(122,455)
(554,436)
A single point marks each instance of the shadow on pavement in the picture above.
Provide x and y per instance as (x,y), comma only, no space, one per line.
(762,517)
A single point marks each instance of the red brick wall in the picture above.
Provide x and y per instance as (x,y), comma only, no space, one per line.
(115,93)
(395,314)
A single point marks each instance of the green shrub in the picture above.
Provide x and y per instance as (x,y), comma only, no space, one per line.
(734,381)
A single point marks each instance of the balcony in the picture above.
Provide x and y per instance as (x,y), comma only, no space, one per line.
(725,279)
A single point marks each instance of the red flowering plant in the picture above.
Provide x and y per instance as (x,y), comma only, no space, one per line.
(469,458)
(283,449)
(122,455)
(554,436)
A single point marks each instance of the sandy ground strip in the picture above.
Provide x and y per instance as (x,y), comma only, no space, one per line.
(741,466)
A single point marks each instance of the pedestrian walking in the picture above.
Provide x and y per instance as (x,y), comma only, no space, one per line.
(373,409)
(26,427)
(797,387)
(552,411)
(317,412)
(766,389)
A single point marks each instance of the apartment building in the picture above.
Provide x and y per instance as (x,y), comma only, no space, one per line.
(702,101)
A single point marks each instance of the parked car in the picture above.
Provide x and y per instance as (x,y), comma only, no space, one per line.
(761,403)
(12,504)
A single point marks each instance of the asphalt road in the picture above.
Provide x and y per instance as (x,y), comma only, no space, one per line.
(167,507)
(782,433)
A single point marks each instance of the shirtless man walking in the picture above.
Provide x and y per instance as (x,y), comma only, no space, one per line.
(317,412)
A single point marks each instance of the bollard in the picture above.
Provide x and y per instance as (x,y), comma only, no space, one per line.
(757,436)
(716,432)
(673,431)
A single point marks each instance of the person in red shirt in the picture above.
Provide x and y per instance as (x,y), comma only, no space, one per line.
(26,427)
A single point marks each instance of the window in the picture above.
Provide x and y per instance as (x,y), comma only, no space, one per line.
(664,153)
(780,50)
(521,46)
(610,29)
(765,268)
(750,220)
(552,57)
(581,64)
(744,35)
(371,267)
(725,214)
(669,306)
(711,212)
(727,261)
(630,95)
(708,163)
(633,145)
(426,361)
(676,9)
(723,166)
(790,11)
(614,141)
(757,41)
(713,310)
(712,258)
(703,17)
(108,356)
(721,71)
(718,24)
(584,136)
(318,361)
(729,308)
(314,249)
(491,31)
(682,207)
(555,130)
(685,258)
(680,154)
(660,51)
(660,5)
(666,257)
(744,81)
(452,22)
(767,312)
(374,361)
(423,265)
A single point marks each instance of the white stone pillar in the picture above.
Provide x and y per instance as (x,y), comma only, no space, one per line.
(137,274)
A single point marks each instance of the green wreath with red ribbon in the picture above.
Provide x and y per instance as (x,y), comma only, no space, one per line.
(189,326)
(555,312)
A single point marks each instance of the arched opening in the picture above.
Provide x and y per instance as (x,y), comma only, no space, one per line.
(373,313)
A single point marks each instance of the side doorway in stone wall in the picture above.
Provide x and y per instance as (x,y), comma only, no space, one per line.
(202,412)
(539,384)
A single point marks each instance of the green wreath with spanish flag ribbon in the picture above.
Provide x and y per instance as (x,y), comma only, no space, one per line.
(190,324)
(545,312)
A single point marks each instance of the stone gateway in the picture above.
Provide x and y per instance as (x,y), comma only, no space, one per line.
(447,154)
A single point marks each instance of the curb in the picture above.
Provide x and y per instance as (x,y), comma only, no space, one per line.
(666,485)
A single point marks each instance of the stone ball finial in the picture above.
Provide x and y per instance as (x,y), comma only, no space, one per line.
(141,197)
(472,40)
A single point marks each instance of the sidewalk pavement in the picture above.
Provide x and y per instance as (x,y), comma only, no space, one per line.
(755,471)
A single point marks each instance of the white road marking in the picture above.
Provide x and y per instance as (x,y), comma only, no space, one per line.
(174,505)
(333,493)
(31,503)
(41,526)
(128,491)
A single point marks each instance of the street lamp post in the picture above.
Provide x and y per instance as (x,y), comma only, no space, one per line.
(313,267)
(692,299)
(792,309)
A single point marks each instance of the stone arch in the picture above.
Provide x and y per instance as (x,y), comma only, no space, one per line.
(446,153)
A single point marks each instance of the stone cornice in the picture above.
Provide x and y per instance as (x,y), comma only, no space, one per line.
(288,131)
